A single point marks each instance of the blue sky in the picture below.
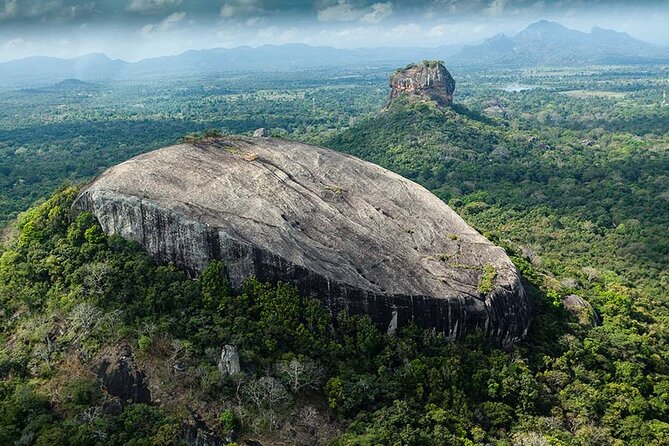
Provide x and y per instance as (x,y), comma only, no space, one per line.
(135,29)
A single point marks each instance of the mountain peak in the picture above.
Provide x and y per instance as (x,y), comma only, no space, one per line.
(546,24)
(547,30)
(94,56)
(603,31)
(550,43)
(72,82)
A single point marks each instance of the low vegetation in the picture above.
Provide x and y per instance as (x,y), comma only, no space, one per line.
(487,280)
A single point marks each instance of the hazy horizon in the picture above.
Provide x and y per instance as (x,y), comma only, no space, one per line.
(136,29)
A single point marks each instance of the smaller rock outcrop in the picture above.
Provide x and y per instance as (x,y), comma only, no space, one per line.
(428,80)
(581,309)
(228,364)
(261,133)
(197,433)
(121,378)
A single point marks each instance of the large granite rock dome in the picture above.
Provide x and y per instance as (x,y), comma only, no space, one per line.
(357,236)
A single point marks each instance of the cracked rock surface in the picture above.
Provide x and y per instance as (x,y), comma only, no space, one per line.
(357,236)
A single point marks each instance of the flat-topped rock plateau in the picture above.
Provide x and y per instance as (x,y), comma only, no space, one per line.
(357,236)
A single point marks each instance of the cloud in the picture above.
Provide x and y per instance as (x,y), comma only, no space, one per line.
(343,11)
(171,19)
(151,5)
(506,7)
(236,8)
(279,35)
(463,31)
(14,44)
(41,11)
(30,9)
(73,11)
(496,7)
(254,21)
(379,12)
(8,9)
(168,23)
(113,26)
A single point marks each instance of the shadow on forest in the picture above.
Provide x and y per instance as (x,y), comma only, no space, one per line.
(472,114)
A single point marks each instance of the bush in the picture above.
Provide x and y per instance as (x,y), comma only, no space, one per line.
(228,421)
(144,343)
(80,394)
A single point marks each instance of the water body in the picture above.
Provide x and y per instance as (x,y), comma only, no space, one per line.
(516,88)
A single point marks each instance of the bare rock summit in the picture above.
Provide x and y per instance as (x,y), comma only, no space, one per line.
(357,236)
(428,80)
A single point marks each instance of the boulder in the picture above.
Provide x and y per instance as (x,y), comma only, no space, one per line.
(121,378)
(228,364)
(197,433)
(356,236)
(261,133)
(581,309)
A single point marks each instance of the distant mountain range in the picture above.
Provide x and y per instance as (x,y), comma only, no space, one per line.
(542,43)
(551,44)
(99,67)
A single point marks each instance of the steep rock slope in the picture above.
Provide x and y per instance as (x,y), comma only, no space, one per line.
(427,80)
(358,236)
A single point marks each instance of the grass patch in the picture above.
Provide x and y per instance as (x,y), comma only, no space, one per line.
(334,188)
(487,280)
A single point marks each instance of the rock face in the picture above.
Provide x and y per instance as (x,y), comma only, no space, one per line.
(121,378)
(357,236)
(197,433)
(428,80)
(228,363)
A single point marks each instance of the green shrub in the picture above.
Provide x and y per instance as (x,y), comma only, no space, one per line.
(487,279)
(144,343)
(228,420)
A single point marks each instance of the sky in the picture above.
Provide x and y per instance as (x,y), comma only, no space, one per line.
(137,29)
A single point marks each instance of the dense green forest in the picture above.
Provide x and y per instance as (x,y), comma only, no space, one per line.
(574,184)
(69,292)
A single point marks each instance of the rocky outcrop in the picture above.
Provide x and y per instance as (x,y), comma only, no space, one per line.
(261,133)
(581,309)
(228,363)
(120,377)
(197,433)
(358,237)
(428,80)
